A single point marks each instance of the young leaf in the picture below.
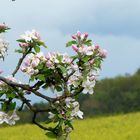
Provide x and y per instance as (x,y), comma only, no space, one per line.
(51,135)
(41,77)
(19,51)
(70,43)
(37,49)
(88,42)
(21,40)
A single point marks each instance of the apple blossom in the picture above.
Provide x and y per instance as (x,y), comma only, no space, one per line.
(30,36)
(103,53)
(3,27)
(88,86)
(51,115)
(3,117)
(11,120)
(76,112)
(31,63)
(3,46)
(68,75)
(24,45)
(75,48)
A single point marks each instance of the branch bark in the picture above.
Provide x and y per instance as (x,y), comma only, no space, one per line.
(25,87)
(20,61)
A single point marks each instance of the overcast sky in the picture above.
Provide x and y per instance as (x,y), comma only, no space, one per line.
(113,24)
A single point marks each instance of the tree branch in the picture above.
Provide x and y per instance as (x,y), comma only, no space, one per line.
(20,61)
(25,87)
(38,124)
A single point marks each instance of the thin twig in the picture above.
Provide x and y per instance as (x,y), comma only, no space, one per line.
(20,61)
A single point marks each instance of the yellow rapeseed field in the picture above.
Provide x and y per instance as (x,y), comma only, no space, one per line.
(119,127)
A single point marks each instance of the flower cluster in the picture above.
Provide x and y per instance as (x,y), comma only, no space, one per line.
(89,50)
(30,40)
(56,58)
(84,47)
(3,42)
(31,63)
(69,105)
(3,46)
(11,120)
(30,36)
(64,112)
(3,28)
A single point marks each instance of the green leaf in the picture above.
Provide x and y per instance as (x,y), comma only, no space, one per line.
(40,43)
(1,92)
(88,42)
(21,40)
(11,95)
(58,88)
(69,124)
(37,49)
(12,106)
(40,66)
(51,135)
(18,51)
(3,106)
(70,43)
(85,59)
(74,57)
(41,77)
(63,69)
(32,78)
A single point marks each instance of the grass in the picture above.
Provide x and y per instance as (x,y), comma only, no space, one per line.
(119,127)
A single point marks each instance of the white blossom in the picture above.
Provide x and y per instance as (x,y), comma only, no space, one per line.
(31,63)
(76,112)
(88,86)
(51,115)
(3,46)
(68,101)
(3,117)
(11,120)
(30,36)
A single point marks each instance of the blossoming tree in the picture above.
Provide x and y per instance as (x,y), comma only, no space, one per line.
(69,76)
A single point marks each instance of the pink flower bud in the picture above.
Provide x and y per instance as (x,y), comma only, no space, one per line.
(23,69)
(49,64)
(75,48)
(73,36)
(35,62)
(37,35)
(62,112)
(23,45)
(97,47)
(27,62)
(92,61)
(103,53)
(78,34)
(86,35)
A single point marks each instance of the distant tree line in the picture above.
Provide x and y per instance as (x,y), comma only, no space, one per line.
(112,95)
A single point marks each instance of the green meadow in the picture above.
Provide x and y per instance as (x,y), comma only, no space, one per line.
(117,127)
